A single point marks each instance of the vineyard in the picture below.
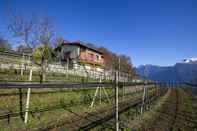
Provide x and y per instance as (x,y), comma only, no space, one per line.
(66,107)
(71,102)
(69,107)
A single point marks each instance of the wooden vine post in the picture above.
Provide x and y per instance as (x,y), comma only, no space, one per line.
(28,98)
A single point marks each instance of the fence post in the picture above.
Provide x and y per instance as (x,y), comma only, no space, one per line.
(143,98)
(28,98)
(106,94)
(123,92)
(29,60)
(22,65)
(156,91)
(147,97)
(21,103)
(92,104)
(100,90)
(116,92)
(116,100)
(8,118)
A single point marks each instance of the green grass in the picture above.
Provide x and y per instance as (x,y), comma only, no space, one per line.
(79,98)
(68,96)
(15,75)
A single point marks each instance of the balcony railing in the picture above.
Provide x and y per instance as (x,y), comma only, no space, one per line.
(96,63)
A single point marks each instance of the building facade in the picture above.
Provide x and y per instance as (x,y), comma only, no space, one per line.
(77,55)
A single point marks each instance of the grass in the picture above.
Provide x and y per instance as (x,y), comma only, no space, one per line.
(11,103)
(132,119)
(148,118)
(82,98)
(128,115)
(11,60)
(78,99)
(15,75)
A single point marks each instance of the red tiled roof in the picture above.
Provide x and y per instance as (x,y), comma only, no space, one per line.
(81,44)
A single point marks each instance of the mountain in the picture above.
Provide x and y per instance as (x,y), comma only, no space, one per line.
(190,61)
(185,70)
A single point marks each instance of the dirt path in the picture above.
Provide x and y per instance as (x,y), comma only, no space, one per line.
(176,114)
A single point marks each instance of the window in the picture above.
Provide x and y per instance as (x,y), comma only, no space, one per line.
(92,56)
(97,57)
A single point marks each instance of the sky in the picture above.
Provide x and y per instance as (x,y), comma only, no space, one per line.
(158,32)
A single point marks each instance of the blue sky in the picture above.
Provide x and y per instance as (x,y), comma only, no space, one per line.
(160,32)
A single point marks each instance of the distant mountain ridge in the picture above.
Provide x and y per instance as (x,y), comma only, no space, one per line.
(185,70)
(189,61)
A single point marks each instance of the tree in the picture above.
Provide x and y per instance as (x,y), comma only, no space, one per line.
(4,45)
(36,36)
(43,53)
(22,27)
(44,32)
(58,47)
(126,65)
(59,41)
(108,55)
(112,62)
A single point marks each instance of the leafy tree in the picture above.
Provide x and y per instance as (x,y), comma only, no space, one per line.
(43,53)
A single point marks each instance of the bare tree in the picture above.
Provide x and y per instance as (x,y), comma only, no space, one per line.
(111,62)
(21,27)
(59,40)
(44,32)
(35,34)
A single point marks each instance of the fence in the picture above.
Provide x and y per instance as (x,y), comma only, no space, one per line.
(13,60)
(125,89)
(118,95)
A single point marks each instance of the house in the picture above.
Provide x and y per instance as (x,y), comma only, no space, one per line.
(78,55)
